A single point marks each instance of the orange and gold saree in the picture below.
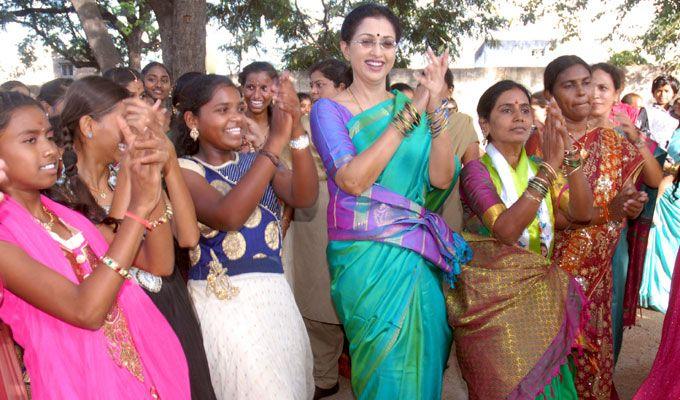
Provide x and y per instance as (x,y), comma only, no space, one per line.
(586,253)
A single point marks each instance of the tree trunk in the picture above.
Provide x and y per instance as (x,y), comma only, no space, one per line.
(165,17)
(181,24)
(98,37)
(134,47)
(190,20)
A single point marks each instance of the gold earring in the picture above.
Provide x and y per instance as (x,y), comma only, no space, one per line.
(193,134)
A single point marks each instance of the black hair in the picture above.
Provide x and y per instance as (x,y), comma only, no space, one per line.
(333,70)
(122,75)
(488,100)
(94,96)
(357,15)
(400,86)
(11,101)
(368,10)
(303,96)
(559,65)
(194,96)
(448,78)
(53,91)
(539,98)
(617,74)
(152,64)
(181,84)
(628,98)
(255,67)
(663,80)
(11,85)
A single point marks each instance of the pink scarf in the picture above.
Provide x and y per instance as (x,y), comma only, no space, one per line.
(67,362)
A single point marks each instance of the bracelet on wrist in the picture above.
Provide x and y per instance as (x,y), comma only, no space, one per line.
(166,217)
(142,221)
(533,197)
(111,263)
(300,143)
(407,119)
(272,157)
(552,174)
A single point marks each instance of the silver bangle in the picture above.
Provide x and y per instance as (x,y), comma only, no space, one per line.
(300,143)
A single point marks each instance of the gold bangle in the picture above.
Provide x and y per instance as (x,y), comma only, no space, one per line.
(533,197)
(111,263)
(166,217)
(549,169)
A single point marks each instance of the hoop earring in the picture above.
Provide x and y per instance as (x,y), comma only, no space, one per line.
(193,134)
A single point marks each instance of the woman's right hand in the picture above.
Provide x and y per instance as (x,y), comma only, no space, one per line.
(553,138)
(144,162)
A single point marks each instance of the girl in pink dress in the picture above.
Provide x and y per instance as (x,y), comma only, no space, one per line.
(87,332)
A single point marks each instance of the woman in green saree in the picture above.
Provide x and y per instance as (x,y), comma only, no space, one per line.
(384,156)
(516,316)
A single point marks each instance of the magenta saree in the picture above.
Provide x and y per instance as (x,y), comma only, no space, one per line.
(662,382)
(134,355)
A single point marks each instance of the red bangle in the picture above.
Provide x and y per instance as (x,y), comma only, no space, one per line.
(145,223)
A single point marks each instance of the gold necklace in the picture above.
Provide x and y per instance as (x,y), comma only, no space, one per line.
(49,224)
(101,193)
(349,89)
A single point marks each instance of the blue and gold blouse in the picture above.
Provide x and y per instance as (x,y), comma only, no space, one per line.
(256,247)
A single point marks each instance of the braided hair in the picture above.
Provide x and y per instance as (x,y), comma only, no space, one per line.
(94,96)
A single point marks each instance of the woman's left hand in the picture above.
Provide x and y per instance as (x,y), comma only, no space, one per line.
(286,97)
(432,77)
(154,149)
(631,131)
(253,136)
(633,207)
(144,118)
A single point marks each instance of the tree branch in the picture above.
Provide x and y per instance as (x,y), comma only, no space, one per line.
(25,12)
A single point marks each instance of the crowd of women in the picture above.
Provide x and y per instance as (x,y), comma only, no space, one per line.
(146,223)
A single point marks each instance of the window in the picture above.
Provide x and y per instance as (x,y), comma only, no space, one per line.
(66,69)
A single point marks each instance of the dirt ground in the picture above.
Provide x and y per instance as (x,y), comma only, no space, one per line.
(637,355)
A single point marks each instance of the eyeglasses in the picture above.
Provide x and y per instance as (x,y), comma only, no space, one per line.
(387,44)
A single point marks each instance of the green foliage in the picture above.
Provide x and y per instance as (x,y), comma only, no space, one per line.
(55,24)
(308,37)
(626,58)
(660,41)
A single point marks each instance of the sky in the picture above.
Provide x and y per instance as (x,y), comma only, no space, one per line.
(589,47)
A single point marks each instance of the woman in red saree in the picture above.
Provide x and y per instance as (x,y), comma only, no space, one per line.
(611,164)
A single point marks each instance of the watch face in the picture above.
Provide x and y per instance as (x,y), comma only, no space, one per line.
(148,281)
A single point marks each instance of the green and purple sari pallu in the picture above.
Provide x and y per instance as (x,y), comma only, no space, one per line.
(387,253)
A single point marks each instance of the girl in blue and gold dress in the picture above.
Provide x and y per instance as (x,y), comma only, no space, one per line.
(255,339)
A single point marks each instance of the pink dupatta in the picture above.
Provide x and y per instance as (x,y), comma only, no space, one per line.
(67,362)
